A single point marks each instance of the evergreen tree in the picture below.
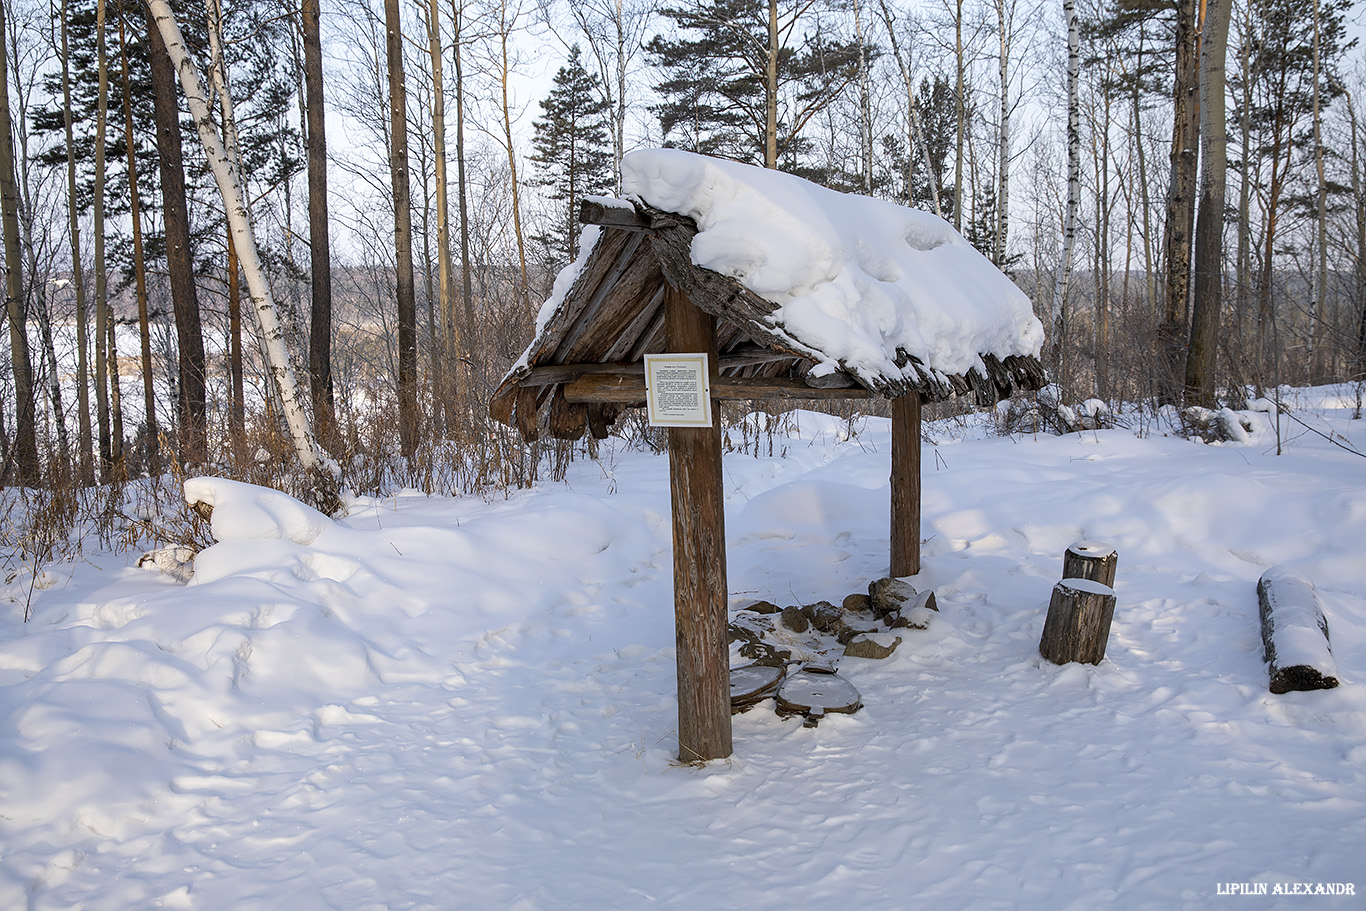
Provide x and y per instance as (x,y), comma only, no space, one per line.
(572,151)
(745,76)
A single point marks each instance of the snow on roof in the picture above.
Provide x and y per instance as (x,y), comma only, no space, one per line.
(855,278)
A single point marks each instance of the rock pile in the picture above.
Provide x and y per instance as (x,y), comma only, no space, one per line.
(863,626)
(811,639)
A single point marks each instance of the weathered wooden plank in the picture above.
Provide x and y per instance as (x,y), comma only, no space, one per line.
(651,309)
(528,405)
(905,537)
(567,420)
(629,388)
(699,564)
(604,257)
(605,290)
(503,401)
(552,374)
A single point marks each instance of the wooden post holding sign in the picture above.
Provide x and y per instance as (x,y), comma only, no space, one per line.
(906,484)
(699,534)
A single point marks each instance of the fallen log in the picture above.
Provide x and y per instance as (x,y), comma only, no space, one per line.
(1295,637)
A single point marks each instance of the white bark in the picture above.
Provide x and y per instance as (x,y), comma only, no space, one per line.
(1005,23)
(1069,233)
(917,130)
(226,172)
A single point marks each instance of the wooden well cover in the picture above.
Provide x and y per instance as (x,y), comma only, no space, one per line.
(815,694)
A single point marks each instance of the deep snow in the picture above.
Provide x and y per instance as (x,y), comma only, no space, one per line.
(469,703)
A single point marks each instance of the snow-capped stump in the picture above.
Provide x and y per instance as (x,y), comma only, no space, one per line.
(815,693)
(1090,560)
(1078,622)
(1295,633)
(751,684)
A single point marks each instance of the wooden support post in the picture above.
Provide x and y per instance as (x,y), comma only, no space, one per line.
(906,484)
(699,540)
(1078,622)
(1090,560)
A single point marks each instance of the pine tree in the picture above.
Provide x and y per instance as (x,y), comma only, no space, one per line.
(745,76)
(572,151)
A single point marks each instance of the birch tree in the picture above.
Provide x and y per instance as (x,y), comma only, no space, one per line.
(915,126)
(84,436)
(324,474)
(1058,308)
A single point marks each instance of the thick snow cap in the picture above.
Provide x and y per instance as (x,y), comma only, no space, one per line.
(855,278)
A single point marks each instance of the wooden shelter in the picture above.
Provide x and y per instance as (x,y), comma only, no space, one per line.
(639,292)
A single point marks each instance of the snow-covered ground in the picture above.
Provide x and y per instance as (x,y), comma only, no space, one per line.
(469,703)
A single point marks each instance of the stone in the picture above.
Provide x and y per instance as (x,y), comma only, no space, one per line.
(858,602)
(888,594)
(761,607)
(863,647)
(823,615)
(795,620)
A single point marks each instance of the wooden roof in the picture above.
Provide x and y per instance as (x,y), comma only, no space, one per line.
(586,362)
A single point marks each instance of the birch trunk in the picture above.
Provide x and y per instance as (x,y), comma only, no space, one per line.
(323,471)
(1058,309)
(916,126)
(453,392)
(85,440)
(1005,22)
(771,89)
(962,118)
(505,26)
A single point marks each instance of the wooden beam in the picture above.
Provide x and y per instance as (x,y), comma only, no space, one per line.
(699,550)
(553,374)
(604,213)
(905,538)
(628,387)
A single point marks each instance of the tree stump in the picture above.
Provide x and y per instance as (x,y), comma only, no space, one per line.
(1295,633)
(1078,623)
(1090,560)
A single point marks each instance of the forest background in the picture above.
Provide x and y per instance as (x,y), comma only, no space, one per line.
(412,170)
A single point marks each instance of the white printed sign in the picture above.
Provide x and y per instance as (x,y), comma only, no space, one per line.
(678,390)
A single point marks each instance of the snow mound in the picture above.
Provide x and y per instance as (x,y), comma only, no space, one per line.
(245,511)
